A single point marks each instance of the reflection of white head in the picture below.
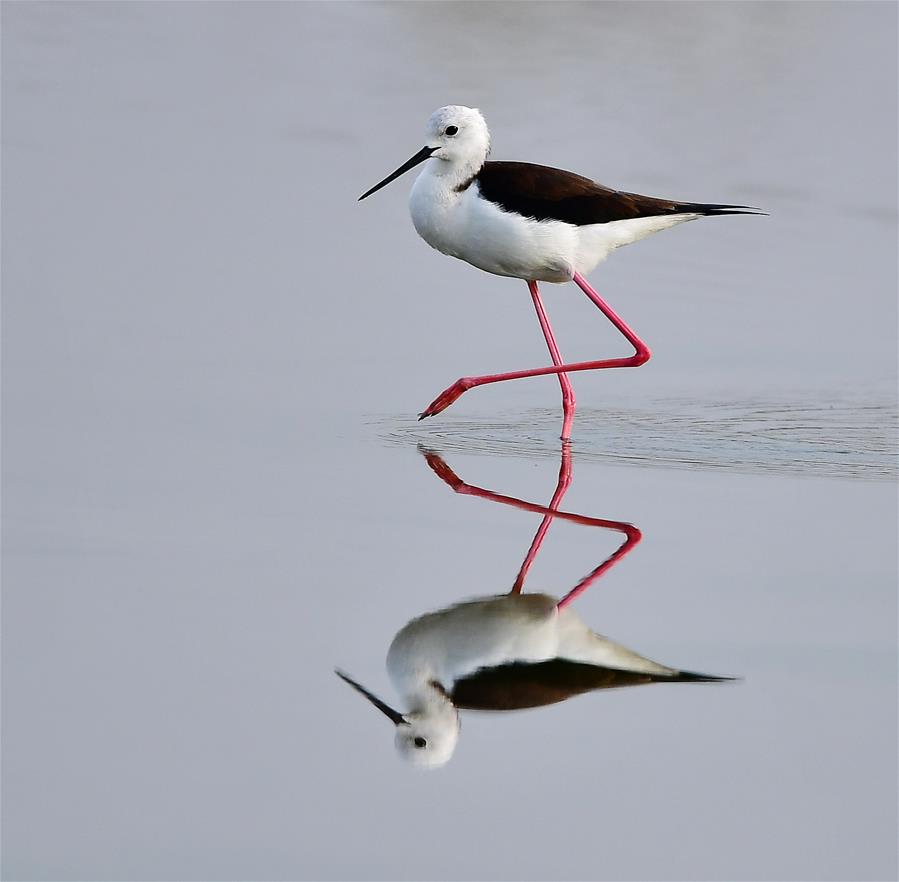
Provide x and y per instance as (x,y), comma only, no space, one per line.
(426,737)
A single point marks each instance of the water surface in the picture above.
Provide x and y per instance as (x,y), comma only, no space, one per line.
(213,490)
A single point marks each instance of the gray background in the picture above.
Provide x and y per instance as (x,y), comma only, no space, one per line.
(212,495)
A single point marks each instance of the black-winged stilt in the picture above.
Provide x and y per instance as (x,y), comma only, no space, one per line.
(529,222)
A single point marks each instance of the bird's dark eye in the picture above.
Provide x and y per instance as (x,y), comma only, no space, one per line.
(451,130)
(420,742)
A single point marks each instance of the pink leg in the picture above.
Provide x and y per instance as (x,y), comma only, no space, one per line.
(561,489)
(640,356)
(568,402)
(632,535)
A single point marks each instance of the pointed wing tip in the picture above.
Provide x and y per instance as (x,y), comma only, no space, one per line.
(737,209)
(693,677)
(749,209)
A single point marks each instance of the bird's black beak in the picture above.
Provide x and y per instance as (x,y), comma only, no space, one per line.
(388,711)
(421,156)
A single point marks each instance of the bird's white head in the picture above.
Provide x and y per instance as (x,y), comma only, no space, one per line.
(458,137)
(425,737)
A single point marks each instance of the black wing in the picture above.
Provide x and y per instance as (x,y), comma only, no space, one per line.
(543,193)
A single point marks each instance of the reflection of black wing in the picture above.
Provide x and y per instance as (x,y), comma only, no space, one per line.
(520,685)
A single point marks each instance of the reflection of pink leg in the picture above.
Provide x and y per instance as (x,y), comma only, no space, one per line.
(632,537)
(631,534)
(568,402)
(554,503)
(641,356)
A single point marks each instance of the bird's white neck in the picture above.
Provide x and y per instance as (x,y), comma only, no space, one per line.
(452,175)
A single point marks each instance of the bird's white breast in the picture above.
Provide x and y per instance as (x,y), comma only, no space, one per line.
(463,225)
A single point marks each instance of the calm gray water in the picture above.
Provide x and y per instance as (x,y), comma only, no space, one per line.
(213,489)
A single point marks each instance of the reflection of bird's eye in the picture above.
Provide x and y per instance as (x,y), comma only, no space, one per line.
(451,130)
(420,742)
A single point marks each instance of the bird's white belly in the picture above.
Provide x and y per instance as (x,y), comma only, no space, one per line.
(502,242)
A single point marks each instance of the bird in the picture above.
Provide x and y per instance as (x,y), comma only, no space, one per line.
(508,651)
(529,222)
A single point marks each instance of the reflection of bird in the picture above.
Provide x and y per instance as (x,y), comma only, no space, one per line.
(505,652)
(499,653)
(529,222)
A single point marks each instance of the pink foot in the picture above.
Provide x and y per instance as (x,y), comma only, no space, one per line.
(447,397)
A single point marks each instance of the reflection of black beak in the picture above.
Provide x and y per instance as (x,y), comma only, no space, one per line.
(388,711)
(421,156)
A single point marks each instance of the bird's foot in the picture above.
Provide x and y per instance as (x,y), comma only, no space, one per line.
(447,397)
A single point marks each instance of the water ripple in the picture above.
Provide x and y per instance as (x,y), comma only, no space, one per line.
(839,438)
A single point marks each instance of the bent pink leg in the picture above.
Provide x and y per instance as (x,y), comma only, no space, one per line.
(568,402)
(642,353)
(632,534)
(561,489)
(641,356)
